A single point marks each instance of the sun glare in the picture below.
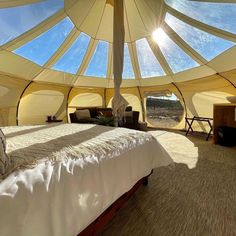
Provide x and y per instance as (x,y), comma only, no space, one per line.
(159,36)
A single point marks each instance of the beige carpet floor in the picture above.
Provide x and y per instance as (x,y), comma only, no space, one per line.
(196,196)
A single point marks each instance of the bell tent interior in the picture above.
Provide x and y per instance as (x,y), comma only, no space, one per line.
(172,62)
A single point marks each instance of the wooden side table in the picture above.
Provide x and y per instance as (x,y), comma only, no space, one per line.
(53,121)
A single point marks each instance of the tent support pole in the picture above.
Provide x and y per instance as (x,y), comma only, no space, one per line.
(231,83)
(105,97)
(182,96)
(142,105)
(67,104)
(18,104)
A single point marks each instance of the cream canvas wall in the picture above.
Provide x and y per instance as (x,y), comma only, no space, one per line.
(41,99)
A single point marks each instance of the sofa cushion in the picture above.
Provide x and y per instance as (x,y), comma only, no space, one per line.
(82,114)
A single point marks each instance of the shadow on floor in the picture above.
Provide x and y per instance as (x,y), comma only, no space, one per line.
(184,201)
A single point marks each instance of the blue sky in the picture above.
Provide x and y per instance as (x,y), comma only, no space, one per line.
(222,16)
(40,49)
(17,20)
(198,39)
(149,65)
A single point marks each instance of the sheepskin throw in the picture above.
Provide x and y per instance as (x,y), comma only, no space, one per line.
(30,145)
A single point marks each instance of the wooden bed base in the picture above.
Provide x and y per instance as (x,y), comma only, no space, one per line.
(96,226)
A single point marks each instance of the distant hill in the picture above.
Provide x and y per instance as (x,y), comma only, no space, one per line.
(164,103)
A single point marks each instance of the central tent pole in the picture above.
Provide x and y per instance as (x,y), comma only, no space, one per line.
(118,103)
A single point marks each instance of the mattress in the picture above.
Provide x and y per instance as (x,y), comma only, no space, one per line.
(63,176)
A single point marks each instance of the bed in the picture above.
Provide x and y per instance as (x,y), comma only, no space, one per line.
(64,176)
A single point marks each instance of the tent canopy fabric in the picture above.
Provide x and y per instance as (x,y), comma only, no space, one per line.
(176,45)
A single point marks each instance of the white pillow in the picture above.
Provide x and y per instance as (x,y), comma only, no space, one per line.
(82,114)
(4,160)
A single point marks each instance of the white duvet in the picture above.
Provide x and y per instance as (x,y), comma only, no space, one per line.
(62,177)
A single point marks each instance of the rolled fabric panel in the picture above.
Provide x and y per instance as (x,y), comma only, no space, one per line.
(118,103)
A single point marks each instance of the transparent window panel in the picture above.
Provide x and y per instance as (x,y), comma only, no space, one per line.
(149,65)
(178,60)
(219,15)
(98,64)
(40,49)
(128,72)
(72,59)
(209,46)
(15,21)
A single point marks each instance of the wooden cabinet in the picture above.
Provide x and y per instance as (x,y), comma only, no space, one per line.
(224,115)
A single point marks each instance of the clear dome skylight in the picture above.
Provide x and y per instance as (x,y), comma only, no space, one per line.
(219,15)
(15,21)
(76,38)
(175,56)
(149,65)
(40,49)
(98,64)
(72,59)
(128,72)
(198,39)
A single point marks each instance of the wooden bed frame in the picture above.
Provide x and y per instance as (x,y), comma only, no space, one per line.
(96,226)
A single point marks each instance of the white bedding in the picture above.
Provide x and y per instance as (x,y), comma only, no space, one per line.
(64,176)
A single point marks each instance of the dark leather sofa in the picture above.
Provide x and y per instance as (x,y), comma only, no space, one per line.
(131,119)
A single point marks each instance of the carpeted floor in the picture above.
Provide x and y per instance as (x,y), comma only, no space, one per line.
(196,196)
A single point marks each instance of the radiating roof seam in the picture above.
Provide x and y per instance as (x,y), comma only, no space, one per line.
(159,56)
(134,58)
(150,8)
(96,40)
(163,12)
(84,17)
(70,39)
(134,61)
(127,19)
(109,64)
(99,25)
(80,30)
(140,15)
(88,55)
